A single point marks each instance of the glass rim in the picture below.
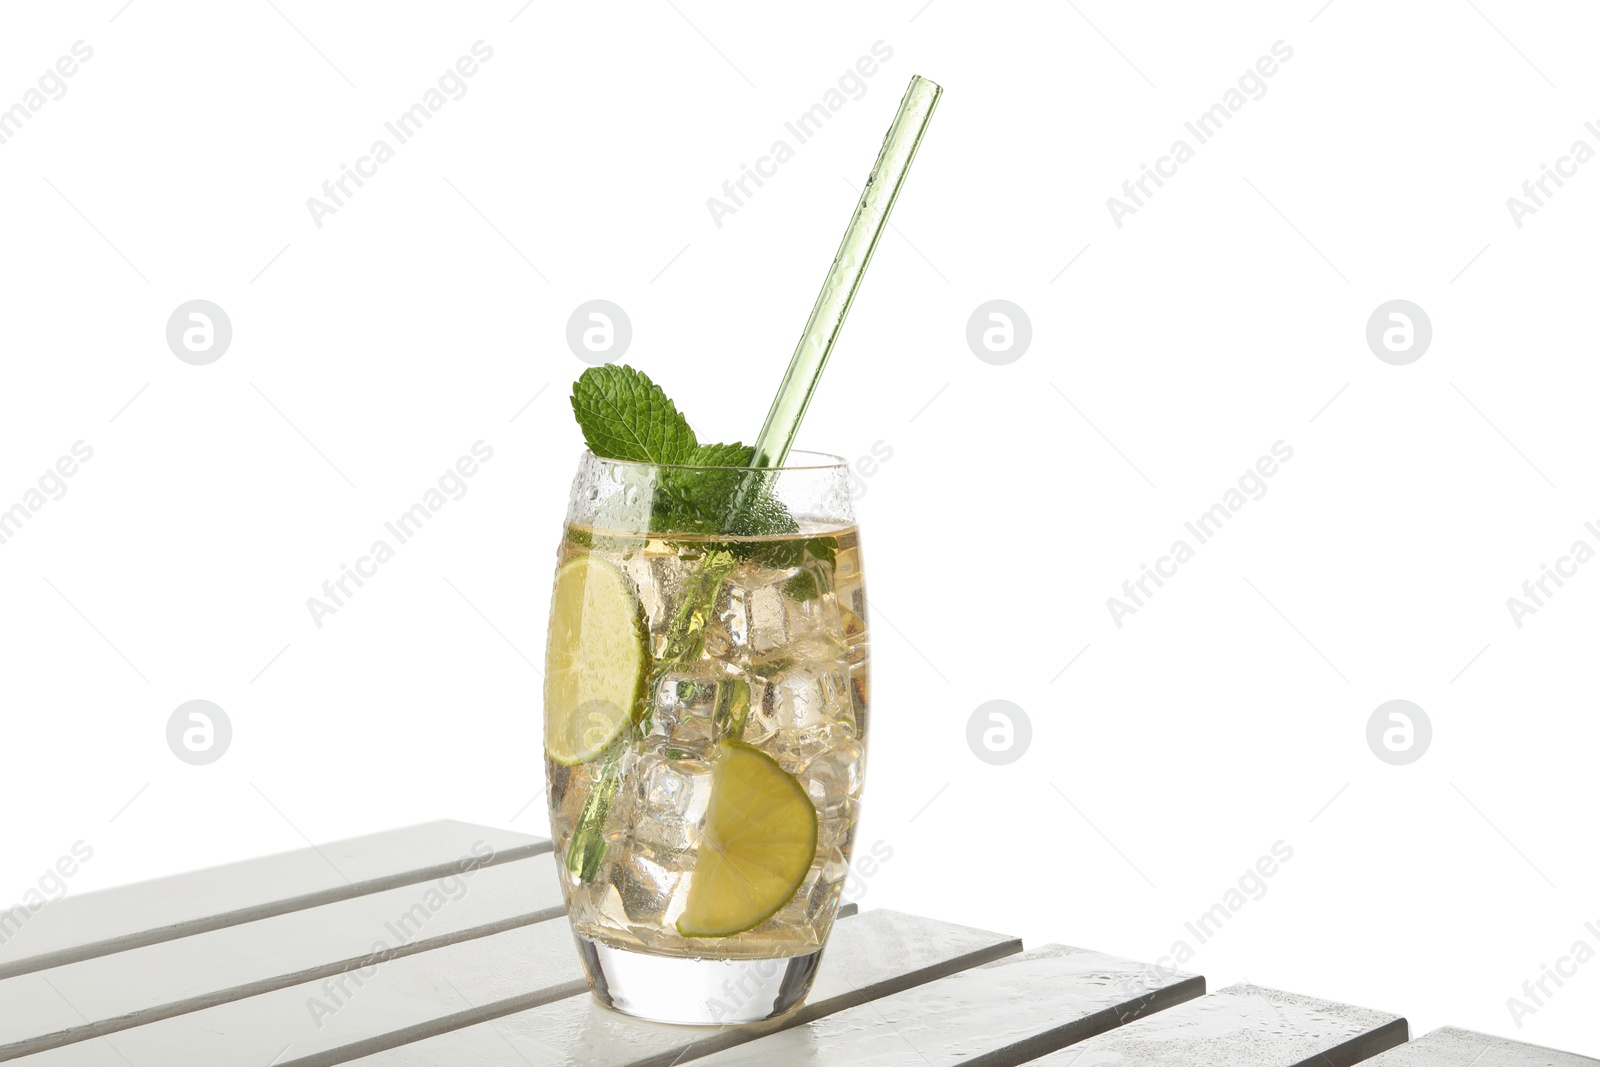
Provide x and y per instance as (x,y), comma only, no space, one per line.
(833,462)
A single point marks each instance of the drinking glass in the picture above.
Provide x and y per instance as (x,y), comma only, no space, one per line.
(706,715)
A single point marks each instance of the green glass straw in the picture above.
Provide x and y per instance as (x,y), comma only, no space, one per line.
(844,277)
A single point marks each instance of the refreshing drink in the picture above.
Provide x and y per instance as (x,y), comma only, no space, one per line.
(706,722)
(736,775)
(706,680)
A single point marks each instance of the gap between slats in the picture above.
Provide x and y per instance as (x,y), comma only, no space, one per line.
(1358,1049)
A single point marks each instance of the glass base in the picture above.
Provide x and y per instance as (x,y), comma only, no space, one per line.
(694,991)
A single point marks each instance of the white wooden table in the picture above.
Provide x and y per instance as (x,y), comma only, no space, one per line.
(445,944)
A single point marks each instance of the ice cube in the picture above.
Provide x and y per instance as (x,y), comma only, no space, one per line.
(796,699)
(695,709)
(683,722)
(835,867)
(859,696)
(644,884)
(597,904)
(728,633)
(811,607)
(854,629)
(662,575)
(670,802)
(833,778)
(804,696)
(802,713)
(824,897)
(766,618)
(838,830)
(813,905)
(753,613)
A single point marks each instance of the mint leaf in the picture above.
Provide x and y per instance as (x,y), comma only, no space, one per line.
(698,500)
(812,582)
(626,416)
(734,455)
(825,549)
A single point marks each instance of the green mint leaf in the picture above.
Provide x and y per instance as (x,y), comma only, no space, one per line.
(698,500)
(734,455)
(803,586)
(626,416)
(825,549)
(816,575)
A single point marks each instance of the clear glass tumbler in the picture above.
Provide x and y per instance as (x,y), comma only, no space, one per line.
(706,702)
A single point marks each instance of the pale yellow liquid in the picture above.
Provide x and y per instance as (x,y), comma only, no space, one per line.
(786,639)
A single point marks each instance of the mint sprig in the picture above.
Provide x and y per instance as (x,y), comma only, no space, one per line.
(626,416)
(702,488)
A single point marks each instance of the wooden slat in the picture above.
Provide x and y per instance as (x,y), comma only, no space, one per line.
(876,954)
(1005,1013)
(112,993)
(1243,1026)
(96,924)
(1451,1047)
(402,1000)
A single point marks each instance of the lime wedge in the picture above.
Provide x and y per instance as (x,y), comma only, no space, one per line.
(760,839)
(597,670)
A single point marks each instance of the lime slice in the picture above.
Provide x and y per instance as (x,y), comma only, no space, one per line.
(759,841)
(597,670)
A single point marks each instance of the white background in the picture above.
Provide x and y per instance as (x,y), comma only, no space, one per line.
(1222,317)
